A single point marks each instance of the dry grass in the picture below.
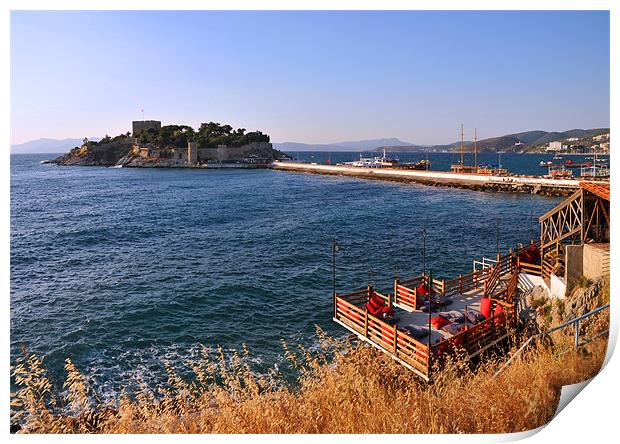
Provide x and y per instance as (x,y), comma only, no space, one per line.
(341,389)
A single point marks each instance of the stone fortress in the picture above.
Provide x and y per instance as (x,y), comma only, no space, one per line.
(256,153)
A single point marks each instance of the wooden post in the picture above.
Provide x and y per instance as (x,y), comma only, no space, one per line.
(429,327)
(396,281)
(335,305)
(389,300)
(366,323)
(395,340)
(460,283)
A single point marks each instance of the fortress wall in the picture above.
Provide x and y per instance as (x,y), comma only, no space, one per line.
(231,154)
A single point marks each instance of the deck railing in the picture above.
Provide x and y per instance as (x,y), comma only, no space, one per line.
(406,292)
(526,267)
(399,344)
(350,311)
(481,336)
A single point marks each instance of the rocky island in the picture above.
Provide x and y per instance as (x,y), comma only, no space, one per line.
(151,145)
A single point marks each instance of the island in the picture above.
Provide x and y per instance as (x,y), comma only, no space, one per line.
(151,145)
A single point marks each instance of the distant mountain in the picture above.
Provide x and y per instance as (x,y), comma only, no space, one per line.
(358,145)
(525,141)
(46,145)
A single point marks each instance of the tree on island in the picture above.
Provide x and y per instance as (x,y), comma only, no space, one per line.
(209,135)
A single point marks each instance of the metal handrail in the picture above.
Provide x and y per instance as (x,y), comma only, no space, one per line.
(484,263)
(545,333)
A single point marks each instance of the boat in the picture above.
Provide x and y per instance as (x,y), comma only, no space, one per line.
(560,172)
(545,163)
(597,170)
(423,164)
(491,170)
(372,162)
(460,166)
(570,164)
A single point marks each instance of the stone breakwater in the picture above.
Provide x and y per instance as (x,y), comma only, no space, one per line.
(518,184)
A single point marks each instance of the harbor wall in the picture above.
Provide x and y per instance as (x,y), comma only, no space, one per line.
(524,184)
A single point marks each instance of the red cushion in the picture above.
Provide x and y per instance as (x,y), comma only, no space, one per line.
(498,310)
(485,307)
(458,340)
(375,304)
(423,290)
(439,322)
(378,312)
(369,307)
(387,310)
(376,300)
(442,347)
(372,310)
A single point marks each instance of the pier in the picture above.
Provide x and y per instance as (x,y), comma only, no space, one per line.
(481,182)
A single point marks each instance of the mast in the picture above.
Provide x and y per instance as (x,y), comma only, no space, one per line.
(475,152)
(462,146)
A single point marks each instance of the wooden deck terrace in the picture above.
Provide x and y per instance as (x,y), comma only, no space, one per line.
(498,283)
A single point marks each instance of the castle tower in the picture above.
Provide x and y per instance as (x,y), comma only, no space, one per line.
(192,153)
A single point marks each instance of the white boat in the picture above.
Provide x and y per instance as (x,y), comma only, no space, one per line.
(597,170)
(371,162)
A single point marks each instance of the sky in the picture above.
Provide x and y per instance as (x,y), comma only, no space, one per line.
(313,77)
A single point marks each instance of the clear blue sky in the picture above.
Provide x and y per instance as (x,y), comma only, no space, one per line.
(311,77)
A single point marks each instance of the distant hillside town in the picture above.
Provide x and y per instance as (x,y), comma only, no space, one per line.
(536,141)
(152,145)
(586,145)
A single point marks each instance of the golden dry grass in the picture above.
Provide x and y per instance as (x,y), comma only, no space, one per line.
(346,388)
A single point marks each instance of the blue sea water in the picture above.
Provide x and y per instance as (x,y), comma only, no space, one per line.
(122,269)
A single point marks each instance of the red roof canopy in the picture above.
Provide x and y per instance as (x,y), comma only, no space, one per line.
(600,189)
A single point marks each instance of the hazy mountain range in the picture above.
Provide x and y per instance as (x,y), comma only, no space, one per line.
(523,141)
(47,146)
(511,142)
(357,145)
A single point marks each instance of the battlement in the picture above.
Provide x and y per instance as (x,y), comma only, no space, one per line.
(138,126)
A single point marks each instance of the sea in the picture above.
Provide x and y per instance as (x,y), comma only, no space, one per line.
(124,270)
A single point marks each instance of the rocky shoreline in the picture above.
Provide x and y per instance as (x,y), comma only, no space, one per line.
(128,154)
